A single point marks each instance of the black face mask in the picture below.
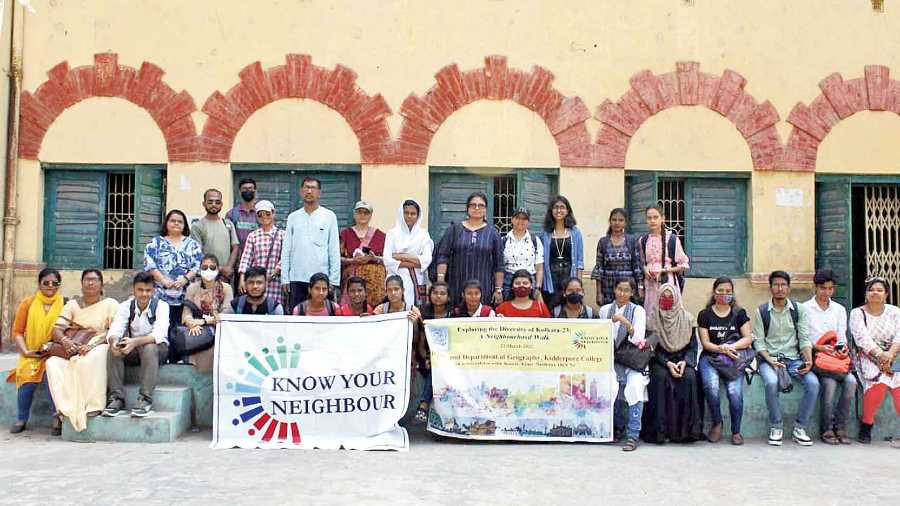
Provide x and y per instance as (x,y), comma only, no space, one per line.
(248,196)
(574,298)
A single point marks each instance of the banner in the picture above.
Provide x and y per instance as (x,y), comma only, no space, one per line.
(522,379)
(311,382)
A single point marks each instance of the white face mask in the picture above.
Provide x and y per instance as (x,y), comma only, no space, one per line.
(209,275)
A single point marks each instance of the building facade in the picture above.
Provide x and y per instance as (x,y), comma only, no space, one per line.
(768,130)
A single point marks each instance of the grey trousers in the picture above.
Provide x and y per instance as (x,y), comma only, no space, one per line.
(836,416)
(149,357)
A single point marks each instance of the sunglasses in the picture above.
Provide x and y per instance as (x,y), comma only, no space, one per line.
(210,268)
(264,213)
(49,284)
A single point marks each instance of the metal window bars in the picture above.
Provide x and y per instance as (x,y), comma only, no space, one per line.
(671,199)
(882,204)
(504,202)
(118,248)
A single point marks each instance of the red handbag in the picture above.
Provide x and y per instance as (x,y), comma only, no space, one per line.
(831,364)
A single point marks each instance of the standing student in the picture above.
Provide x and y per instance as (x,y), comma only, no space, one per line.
(522,250)
(781,338)
(216,235)
(263,248)
(471,250)
(244,215)
(138,335)
(438,307)
(472,305)
(563,249)
(573,305)
(311,244)
(827,323)
(618,258)
(31,330)
(255,301)
(876,331)
(629,323)
(362,247)
(663,256)
(408,249)
(724,329)
(524,302)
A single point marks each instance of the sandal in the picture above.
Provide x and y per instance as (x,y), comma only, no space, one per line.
(422,413)
(843,437)
(17,427)
(829,437)
(737,439)
(715,433)
(630,445)
(56,426)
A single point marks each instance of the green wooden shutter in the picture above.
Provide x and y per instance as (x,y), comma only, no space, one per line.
(447,199)
(149,208)
(834,234)
(282,188)
(641,192)
(340,191)
(75,209)
(535,189)
(716,226)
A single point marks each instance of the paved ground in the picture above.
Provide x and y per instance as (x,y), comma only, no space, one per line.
(35,469)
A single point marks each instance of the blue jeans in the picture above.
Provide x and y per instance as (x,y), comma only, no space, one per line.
(810,392)
(426,394)
(734,389)
(24,398)
(627,417)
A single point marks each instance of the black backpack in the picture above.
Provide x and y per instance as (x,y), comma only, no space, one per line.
(533,242)
(241,303)
(668,250)
(132,308)
(767,318)
(301,308)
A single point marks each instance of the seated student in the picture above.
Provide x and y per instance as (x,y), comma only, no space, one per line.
(255,301)
(357,295)
(396,301)
(138,334)
(573,305)
(438,306)
(193,340)
(523,302)
(318,303)
(471,305)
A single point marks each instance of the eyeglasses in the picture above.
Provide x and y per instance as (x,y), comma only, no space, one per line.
(50,284)
(477,206)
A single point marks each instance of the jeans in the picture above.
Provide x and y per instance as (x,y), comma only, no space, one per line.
(810,392)
(149,356)
(627,417)
(831,418)
(24,398)
(426,394)
(734,389)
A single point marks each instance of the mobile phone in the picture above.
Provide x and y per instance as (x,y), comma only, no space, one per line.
(839,347)
(366,250)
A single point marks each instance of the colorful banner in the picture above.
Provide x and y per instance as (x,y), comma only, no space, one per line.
(312,382)
(522,379)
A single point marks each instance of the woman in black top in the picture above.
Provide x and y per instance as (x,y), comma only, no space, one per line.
(724,329)
(573,305)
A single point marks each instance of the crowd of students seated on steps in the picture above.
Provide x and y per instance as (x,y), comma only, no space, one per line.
(666,360)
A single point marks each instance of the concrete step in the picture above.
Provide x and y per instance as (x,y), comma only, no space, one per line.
(200,383)
(170,418)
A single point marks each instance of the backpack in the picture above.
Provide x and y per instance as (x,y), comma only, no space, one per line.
(242,303)
(533,243)
(669,251)
(767,318)
(449,235)
(301,308)
(461,312)
(151,317)
(558,311)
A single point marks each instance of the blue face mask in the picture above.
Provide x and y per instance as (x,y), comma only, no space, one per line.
(724,299)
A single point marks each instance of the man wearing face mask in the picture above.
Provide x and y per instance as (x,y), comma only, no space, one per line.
(216,235)
(243,215)
(781,338)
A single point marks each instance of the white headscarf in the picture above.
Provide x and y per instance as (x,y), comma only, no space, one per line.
(406,240)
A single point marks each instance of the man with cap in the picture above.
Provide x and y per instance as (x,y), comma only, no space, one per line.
(522,250)
(311,244)
(263,249)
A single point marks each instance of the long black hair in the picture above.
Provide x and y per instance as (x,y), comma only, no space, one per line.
(619,211)
(428,309)
(721,280)
(550,223)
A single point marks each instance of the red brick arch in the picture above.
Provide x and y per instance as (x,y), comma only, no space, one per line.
(840,99)
(422,116)
(687,86)
(106,78)
(298,78)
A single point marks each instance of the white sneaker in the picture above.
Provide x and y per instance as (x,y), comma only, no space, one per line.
(801,437)
(775,436)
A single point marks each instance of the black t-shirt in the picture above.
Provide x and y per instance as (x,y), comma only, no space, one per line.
(721,328)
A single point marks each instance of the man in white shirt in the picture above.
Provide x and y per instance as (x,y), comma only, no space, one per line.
(138,334)
(824,316)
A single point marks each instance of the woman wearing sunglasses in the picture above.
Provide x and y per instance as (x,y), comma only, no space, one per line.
(32,330)
(194,339)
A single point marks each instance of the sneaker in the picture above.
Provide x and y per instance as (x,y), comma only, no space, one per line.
(775,436)
(143,408)
(801,437)
(115,407)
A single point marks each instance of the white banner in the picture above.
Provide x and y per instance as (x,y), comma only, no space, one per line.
(312,382)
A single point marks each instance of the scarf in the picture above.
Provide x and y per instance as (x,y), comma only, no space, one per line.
(674,326)
(406,240)
(37,333)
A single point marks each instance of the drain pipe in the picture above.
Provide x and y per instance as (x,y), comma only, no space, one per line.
(10,217)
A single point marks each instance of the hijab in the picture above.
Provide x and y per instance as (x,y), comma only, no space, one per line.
(406,240)
(673,326)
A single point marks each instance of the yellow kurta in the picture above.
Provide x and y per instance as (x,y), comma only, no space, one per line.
(36,325)
(78,385)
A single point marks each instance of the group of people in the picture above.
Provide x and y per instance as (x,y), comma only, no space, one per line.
(667,361)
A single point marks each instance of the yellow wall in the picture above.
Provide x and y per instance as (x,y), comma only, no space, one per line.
(782,237)
(186,182)
(865,143)
(387,186)
(30,197)
(591,205)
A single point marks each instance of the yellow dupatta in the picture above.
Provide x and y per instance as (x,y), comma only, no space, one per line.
(38,331)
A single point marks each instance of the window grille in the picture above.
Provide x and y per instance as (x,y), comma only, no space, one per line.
(671,199)
(118,249)
(883,236)
(504,202)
